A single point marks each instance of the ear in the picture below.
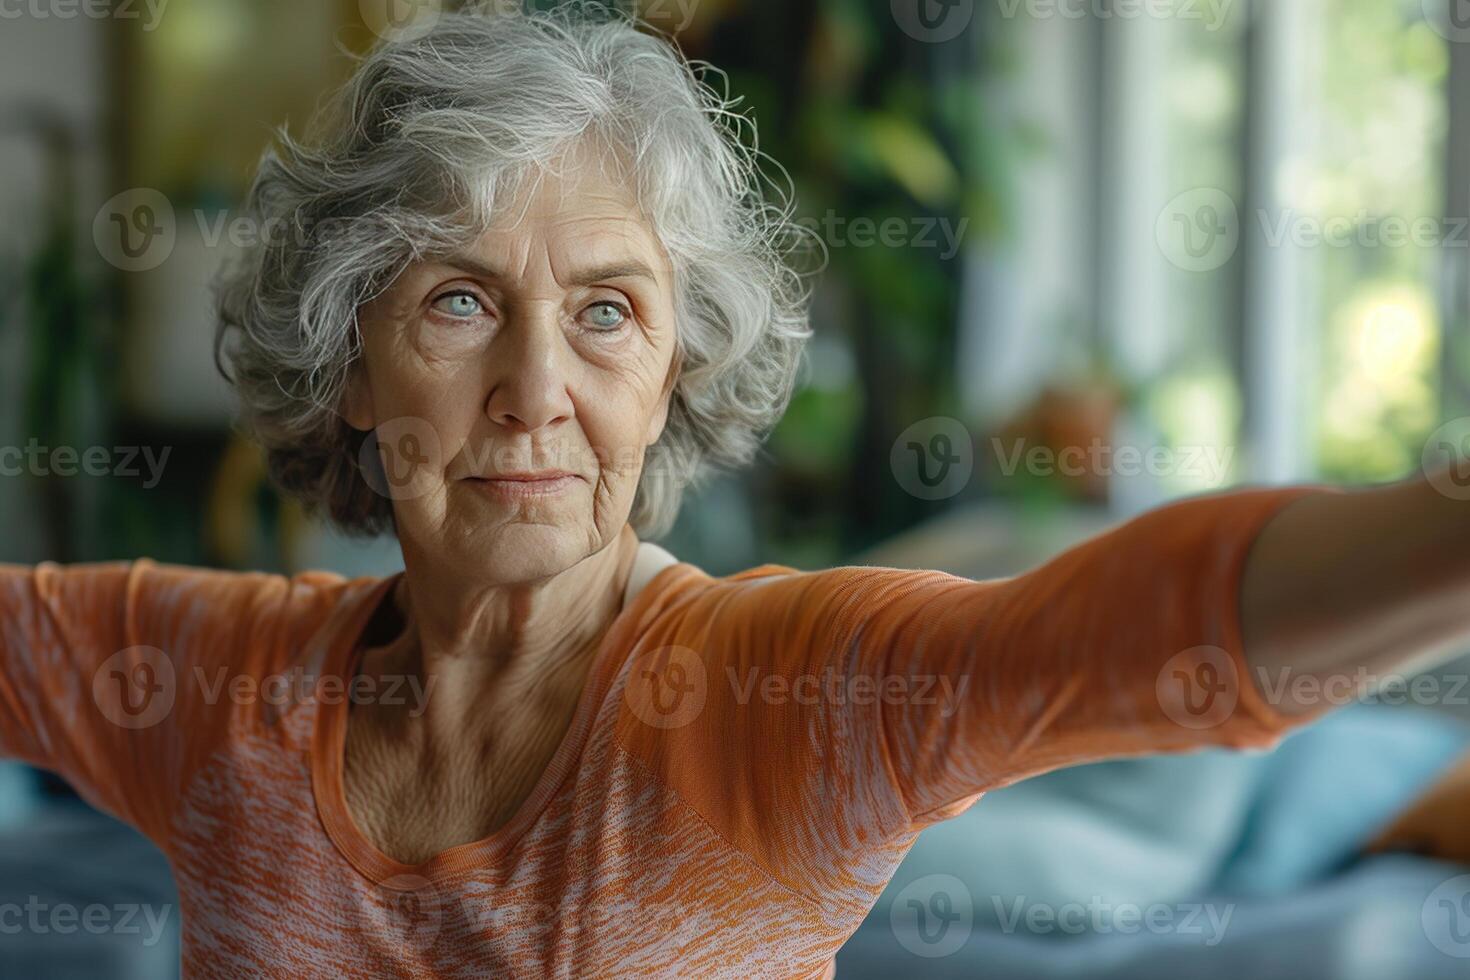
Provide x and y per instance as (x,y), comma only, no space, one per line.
(660,417)
(357,398)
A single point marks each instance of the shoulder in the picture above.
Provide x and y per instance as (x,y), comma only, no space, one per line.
(839,584)
(773,611)
(252,618)
(210,592)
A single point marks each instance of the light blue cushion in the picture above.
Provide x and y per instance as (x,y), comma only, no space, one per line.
(1134,831)
(1331,786)
(19,794)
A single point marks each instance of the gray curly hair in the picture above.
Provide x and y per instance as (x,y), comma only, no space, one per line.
(410,159)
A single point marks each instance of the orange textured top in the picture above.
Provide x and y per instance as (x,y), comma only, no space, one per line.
(749,761)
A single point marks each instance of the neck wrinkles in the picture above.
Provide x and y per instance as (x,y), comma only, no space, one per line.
(469,635)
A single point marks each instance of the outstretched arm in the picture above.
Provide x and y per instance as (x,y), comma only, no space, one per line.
(118,676)
(850,708)
(1342,589)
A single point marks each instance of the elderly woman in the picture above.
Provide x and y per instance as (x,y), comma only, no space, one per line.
(530,288)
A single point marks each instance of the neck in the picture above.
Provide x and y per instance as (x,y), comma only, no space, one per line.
(474,641)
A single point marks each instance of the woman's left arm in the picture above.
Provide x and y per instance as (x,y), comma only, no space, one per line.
(1345,589)
(839,711)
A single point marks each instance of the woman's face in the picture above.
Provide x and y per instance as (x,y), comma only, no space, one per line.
(515,387)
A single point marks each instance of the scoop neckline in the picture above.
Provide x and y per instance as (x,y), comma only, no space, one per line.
(329,744)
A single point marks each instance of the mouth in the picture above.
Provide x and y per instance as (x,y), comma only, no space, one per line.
(545,483)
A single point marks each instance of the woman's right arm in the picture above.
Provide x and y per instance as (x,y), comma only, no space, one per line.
(114,676)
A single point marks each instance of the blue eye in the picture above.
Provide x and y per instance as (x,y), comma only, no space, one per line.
(461,305)
(606,316)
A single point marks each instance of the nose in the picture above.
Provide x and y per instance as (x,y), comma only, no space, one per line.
(530,376)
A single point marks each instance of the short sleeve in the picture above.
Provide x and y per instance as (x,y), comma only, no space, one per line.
(115,676)
(839,711)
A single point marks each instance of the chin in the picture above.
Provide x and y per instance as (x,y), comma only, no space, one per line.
(522,552)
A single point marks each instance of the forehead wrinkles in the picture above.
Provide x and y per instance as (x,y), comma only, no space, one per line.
(586,235)
(585,198)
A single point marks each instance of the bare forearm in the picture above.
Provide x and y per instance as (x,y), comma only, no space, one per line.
(1364,583)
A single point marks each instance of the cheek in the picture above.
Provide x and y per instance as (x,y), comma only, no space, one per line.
(614,412)
(432,397)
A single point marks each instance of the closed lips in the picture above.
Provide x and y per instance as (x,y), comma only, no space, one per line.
(545,476)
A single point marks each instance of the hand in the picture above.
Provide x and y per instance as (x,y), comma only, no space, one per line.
(1437,824)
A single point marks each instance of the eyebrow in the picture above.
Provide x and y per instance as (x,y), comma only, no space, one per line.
(584,277)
